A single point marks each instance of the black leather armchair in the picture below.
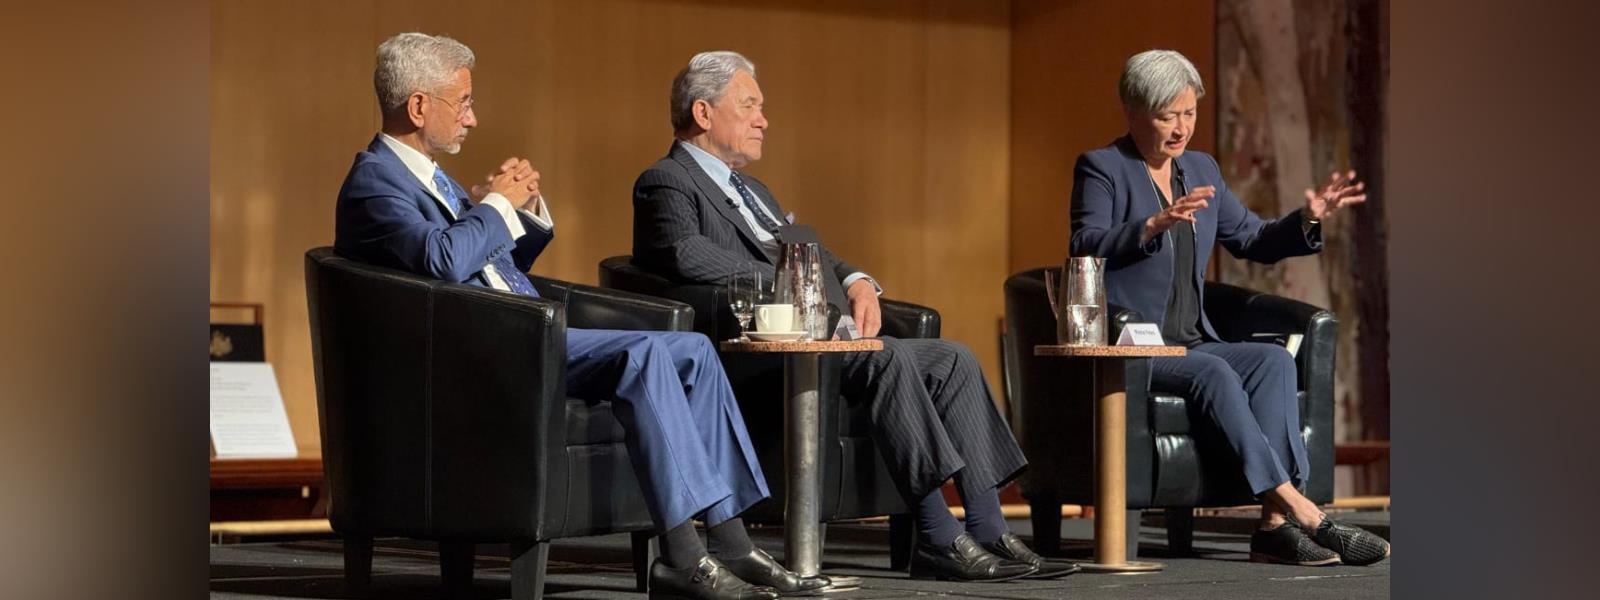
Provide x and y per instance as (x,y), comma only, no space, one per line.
(1176,460)
(444,417)
(855,482)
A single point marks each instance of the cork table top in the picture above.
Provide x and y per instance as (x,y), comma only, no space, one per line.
(1109,351)
(862,345)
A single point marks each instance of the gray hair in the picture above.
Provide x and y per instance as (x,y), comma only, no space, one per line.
(416,62)
(706,78)
(1153,78)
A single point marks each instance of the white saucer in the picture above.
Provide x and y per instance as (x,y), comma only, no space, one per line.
(775,336)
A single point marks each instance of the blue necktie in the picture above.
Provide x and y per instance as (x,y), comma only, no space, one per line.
(514,277)
(755,206)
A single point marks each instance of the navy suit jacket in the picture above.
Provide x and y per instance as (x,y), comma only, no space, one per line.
(685,227)
(1111,198)
(385,216)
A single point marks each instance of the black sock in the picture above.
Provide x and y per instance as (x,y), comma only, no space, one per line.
(934,523)
(984,520)
(681,547)
(729,538)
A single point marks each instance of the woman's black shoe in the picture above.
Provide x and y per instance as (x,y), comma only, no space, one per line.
(1354,545)
(964,560)
(707,580)
(759,568)
(1288,544)
(1011,548)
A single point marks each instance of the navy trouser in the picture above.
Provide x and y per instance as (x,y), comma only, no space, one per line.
(1248,391)
(685,435)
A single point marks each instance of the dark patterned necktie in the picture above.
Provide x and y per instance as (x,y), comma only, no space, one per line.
(514,277)
(755,206)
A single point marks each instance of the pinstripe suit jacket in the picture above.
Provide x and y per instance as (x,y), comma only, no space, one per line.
(685,227)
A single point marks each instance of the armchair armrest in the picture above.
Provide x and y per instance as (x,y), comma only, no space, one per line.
(495,410)
(1120,317)
(1237,313)
(906,320)
(434,390)
(710,313)
(590,307)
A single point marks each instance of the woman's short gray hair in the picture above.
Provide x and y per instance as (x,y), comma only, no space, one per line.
(416,62)
(1153,79)
(705,78)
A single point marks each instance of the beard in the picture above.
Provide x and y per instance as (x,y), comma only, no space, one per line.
(451,147)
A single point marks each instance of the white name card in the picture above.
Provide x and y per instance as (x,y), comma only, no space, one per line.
(247,416)
(846,329)
(1140,334)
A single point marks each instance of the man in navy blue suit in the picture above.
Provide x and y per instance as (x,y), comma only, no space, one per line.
(685,434)
(1154,212)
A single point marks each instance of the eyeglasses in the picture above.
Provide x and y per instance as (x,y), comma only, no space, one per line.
(462,108)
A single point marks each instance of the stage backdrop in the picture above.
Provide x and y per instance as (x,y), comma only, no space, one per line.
(1299,94)
(890,133)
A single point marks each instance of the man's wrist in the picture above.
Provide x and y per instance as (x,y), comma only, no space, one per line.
(851,279)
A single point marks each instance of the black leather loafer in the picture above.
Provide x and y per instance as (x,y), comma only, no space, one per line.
(1011,548)
(1354,545)
(759,568)
(707,580)
(964,560)
(1288,544)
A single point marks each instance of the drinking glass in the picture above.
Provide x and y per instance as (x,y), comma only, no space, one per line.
(742,298)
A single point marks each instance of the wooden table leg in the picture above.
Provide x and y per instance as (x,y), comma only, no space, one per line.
(1111,473)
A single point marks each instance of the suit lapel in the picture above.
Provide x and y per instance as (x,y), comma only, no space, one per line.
(711,190)
(1145,202)
(384,152)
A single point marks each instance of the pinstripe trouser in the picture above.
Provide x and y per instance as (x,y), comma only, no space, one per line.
(932,415)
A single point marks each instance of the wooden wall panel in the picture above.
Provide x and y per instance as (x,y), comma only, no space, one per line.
(889,133)
(288,111)
(1066,58)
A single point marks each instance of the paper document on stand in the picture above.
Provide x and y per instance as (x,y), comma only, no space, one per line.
(247,415)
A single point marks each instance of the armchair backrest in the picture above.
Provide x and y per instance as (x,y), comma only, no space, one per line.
(1050,399)
(440,404)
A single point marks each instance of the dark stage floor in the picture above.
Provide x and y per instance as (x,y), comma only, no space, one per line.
(598,568)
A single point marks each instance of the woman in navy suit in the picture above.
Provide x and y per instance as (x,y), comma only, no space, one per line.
(1154,211)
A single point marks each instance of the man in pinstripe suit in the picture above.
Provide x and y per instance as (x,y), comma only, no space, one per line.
(697,218)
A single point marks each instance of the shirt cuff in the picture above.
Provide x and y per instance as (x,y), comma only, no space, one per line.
(1309,228)
(1153,246)
(509,215)
(540,215)
(857,276)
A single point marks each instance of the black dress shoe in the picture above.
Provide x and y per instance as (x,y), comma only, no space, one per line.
(707,580)
(1288,544)
(964,560)
(759,568)
(1354,545)
(1011,548)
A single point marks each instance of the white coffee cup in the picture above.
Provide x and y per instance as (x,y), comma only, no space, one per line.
(774,318)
